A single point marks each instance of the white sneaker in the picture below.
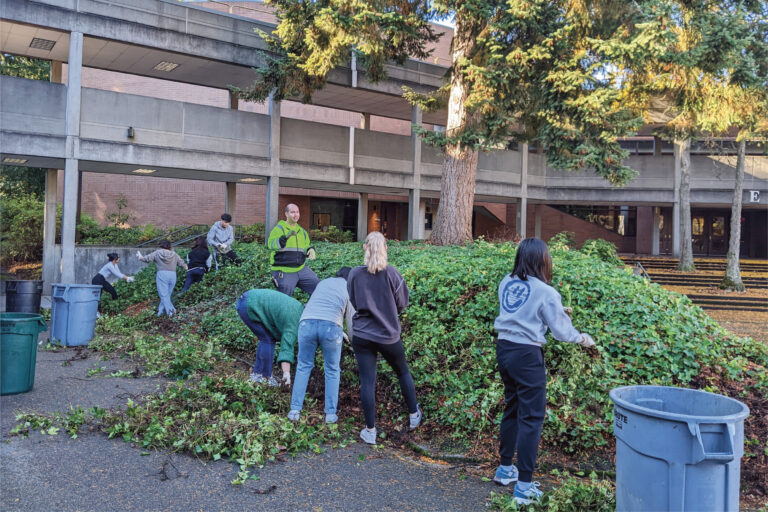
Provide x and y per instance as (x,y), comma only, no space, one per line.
(256,378)
(294,415)
(331,418)
(272,382)
(533,493)
(369,436)
(415,419)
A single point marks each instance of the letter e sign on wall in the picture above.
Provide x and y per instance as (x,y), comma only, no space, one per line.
(754,196)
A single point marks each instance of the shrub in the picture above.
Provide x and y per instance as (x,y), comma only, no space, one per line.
(644,333)
(333,234)
(603,250)
(21,228)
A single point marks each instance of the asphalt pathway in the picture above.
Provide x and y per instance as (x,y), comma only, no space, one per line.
(92,472)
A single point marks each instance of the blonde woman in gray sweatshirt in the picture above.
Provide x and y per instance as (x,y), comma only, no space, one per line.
(166,261)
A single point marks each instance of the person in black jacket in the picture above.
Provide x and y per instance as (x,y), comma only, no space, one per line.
(379,294)
(199,260)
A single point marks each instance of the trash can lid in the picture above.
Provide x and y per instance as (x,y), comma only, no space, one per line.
(679,404)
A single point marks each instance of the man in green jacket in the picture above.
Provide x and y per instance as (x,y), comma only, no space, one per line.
(290,248)
(271,316)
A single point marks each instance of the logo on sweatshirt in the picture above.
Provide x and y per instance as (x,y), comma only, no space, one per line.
(515,294)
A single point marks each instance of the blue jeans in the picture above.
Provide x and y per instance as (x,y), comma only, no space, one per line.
(194,275)
(265,350)
(329,336)
(165,281)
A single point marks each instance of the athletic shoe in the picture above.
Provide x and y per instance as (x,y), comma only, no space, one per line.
(331,418)
(528,496)
(257,378)
(294,415)
(369,436)
(416,420)
(272,382)
(504,477)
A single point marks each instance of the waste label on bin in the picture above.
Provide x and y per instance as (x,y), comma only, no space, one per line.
(620,420)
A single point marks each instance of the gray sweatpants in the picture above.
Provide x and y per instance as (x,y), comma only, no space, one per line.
(165,280)
(286,282)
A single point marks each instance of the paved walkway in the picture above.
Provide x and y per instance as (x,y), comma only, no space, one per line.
(96,473)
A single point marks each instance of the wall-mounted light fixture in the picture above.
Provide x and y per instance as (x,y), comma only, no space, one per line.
(144,171)
(19,161)
(130,133)
(249,180)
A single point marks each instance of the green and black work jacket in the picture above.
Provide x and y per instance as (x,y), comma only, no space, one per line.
(293,256)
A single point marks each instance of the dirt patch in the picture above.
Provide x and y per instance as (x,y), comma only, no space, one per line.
(136,309)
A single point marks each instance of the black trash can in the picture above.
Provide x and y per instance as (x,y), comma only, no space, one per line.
(23,296)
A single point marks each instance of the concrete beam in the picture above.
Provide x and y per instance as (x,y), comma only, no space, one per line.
(362,217)
(230,203)
(656,232)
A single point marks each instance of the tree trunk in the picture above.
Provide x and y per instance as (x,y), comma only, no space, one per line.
(457,183)
(686,237)
(732,279)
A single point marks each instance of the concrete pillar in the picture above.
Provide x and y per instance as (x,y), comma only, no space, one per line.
(71,172)
(351,153)
(49,229)
(273,198)
(230,203)
(365,121)
(537,221)
(522,211)
(234,100)
(415,221)
(49,213)
(362,216)
(656,232)
(676,221)
(273,182)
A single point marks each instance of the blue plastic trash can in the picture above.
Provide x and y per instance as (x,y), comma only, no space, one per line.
(677,449)
(73,313)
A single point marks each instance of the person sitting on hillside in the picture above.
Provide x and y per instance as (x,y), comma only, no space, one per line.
(199,261)
(322,324)
(110,273)
(220,238)
(271,315)
(290,248)
(165,279)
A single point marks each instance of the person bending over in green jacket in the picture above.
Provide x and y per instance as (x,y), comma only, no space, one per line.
(271,316)
(290,248)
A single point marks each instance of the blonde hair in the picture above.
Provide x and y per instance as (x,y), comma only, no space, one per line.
(375,252)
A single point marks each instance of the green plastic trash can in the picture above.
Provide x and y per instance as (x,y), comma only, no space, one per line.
(677,449)
(18,351)
(73,313)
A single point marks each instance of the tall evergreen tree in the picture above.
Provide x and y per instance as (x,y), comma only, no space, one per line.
(528,70)
(710,50)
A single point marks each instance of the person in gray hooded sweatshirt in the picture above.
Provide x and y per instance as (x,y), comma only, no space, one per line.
(166,261)
(220,238)
(528,306)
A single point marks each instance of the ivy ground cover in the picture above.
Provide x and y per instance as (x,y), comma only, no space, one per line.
(644,335)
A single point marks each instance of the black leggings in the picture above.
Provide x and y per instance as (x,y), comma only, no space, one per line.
(105,286)
(366,353)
